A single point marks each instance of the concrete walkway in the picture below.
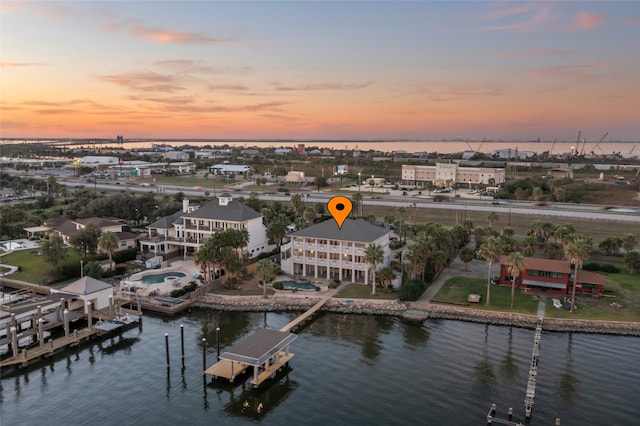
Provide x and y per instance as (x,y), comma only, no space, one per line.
(542,305)
(476,269)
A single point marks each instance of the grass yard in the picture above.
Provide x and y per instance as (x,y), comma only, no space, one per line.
(622,288)
(35,269)
(361,291)
(456,290)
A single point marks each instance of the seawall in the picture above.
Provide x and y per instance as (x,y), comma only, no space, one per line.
(428,311)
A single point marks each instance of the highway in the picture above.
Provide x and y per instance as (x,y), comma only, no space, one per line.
(570,211)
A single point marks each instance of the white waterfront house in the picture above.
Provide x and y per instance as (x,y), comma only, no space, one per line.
(325,251)
(185,231)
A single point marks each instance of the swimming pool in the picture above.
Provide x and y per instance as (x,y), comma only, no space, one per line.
(12,245)
(291,285)
(160,278)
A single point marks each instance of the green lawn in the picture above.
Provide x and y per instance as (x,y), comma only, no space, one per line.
(34,269)
(622,288)
(456,290)
(360,291)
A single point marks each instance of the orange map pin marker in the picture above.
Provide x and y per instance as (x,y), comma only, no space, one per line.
(339,207)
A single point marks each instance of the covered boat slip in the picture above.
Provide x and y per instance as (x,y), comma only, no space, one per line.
(266,350)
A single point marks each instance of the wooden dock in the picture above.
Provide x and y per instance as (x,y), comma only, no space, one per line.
(305,316)
(533,371)
(226,369)
(50,347)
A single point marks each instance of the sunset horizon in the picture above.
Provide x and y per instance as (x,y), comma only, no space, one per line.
(320,71)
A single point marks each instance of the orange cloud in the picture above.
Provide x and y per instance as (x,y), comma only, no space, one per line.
(323,86)
(160,35)
(587,20)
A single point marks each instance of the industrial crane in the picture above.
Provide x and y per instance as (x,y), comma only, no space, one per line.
(598,144)
(577,147)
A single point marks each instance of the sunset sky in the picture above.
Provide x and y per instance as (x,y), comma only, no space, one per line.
(320,69)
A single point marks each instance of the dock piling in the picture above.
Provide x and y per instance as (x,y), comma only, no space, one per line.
(204,355)
(41,332)
(182,343)
(65,316)
(218,341)
(166,346)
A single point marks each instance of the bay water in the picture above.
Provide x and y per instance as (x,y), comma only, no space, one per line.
(347,370)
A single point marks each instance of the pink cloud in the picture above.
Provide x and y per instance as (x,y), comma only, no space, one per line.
(631,21)
(533,53)
(160,35)
(19,64)
(587,20)
(579,72)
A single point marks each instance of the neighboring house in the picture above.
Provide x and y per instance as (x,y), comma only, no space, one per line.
(186,230)
(67,227)
(552,276)
(563,171)
(85,290)
(294,177)
(325,251)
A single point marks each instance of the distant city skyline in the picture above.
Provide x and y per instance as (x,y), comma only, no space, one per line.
(320,70)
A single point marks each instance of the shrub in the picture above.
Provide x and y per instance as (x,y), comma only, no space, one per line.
(278,286)
(395,244)
(412,290)
(334,284)
(601,267)
(124,255)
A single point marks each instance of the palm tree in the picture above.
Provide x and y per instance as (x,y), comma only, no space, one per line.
(492,218)
(577,251)
(265,272)
(515,265)
(400,211)
(490,250)
(373,255)
(466,255)
(439,261)
(356,199)
(109,243)
(629,242)
(385,274)
(529,245)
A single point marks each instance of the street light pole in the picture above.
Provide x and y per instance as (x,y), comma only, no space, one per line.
(359,181)
(81,269)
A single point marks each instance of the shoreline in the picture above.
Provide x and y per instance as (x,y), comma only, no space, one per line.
(405,311)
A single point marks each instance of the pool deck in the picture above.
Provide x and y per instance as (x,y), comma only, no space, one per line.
(165,288)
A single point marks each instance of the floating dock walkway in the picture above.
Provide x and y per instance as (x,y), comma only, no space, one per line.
(533,371)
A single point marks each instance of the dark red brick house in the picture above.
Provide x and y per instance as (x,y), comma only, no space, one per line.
(552,277)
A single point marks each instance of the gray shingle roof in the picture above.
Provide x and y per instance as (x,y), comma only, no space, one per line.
(352,230)
(234,211)
(167,221)
(85,285)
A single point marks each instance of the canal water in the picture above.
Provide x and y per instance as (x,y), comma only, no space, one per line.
(347,370)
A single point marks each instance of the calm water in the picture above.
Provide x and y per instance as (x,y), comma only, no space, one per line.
(626,149)
(347,370)
(159,278)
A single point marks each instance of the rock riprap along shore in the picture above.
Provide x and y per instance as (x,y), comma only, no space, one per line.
(399,309)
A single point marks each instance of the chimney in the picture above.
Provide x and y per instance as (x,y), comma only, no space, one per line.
(185,205)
